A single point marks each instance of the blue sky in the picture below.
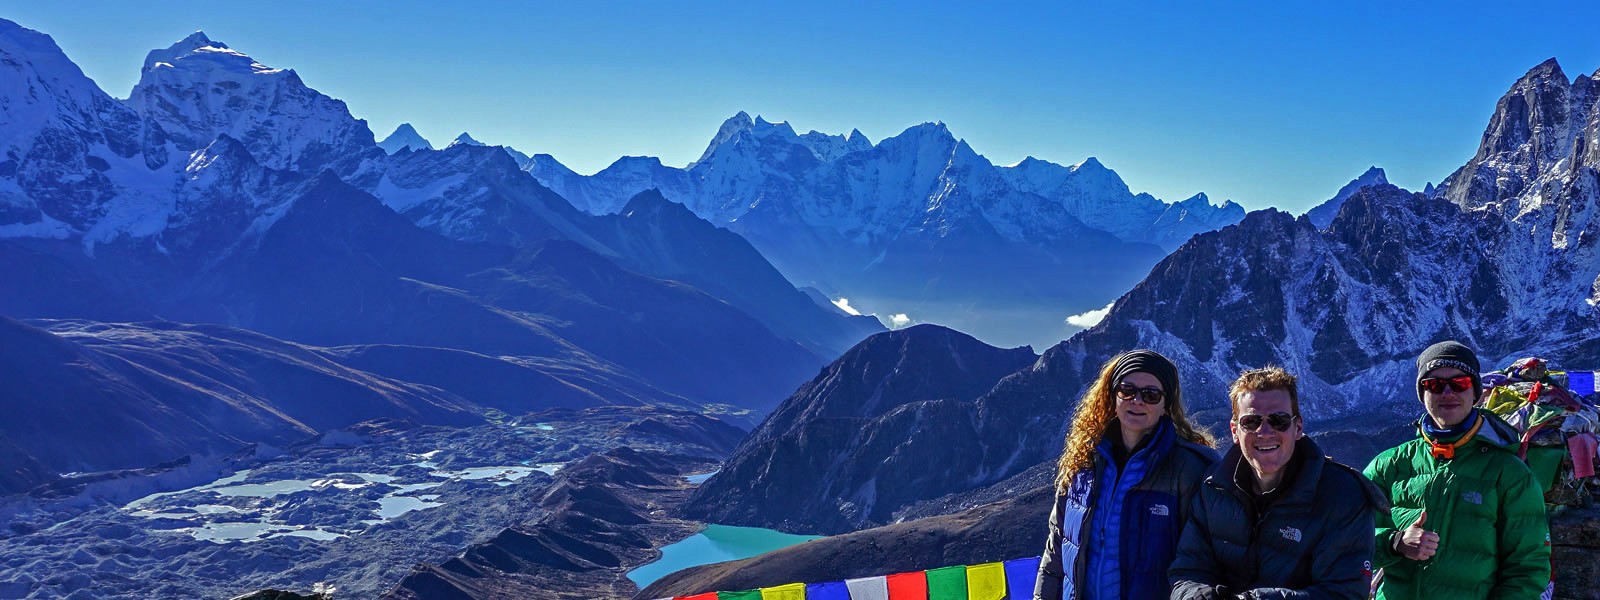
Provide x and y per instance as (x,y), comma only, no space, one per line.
(1266,104)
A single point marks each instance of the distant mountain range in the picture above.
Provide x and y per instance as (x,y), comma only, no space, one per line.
(1504,255)
(918,223)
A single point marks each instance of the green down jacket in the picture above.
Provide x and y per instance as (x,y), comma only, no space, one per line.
(1485,506)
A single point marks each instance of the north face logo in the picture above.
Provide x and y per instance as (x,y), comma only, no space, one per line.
(1159,510)
(1472,497)
(1290,533)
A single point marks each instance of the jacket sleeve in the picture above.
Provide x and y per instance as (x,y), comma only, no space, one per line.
(1380,472)
(1341,566)
(1194,572)
(1048,584)
(1524,534)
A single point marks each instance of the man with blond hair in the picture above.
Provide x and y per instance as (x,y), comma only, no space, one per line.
(1275,518)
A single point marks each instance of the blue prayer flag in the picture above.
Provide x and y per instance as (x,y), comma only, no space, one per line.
(1020,575)
(832,590)
(1581,383)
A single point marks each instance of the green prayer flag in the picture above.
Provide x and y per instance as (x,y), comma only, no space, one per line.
(947,583)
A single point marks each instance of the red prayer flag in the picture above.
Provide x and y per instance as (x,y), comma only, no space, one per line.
(908,586)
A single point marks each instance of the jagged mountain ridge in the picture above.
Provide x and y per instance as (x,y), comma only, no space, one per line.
(748,157)
(918,223)
(1491,259)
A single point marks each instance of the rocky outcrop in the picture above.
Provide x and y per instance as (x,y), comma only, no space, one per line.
(1574,544)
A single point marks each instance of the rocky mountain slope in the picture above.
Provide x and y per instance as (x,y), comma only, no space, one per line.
(856,443)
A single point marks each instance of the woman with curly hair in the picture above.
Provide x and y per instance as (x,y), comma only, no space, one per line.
(1131,464)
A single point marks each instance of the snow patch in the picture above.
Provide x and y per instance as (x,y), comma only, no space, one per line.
(402,199)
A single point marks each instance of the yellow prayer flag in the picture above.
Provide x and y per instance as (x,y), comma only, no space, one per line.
(793,591)
(986,582)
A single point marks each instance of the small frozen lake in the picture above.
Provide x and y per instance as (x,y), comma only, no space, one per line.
(717,543)
(700,478)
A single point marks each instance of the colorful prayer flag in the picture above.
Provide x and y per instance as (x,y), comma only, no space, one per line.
(740,595)
(986,582)
(908,586)
(1581,383)
(793,591)
(868,588)
(832,590)
(1021,574)
(947,583)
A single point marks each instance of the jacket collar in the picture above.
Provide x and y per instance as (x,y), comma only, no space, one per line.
(1302,490)
(1161,440)
(1495,432)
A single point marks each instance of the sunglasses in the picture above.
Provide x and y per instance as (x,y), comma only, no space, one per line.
(1436,385)
(1278,420)
(1149,395)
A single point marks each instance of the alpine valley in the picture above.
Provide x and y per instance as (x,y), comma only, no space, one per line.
(245,345)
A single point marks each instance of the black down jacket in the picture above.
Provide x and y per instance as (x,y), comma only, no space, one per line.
(1316,541)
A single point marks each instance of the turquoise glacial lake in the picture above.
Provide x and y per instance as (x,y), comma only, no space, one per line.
(716,544)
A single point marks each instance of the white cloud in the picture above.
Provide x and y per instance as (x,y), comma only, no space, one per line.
(844,305)
(1089,319)
(899,320)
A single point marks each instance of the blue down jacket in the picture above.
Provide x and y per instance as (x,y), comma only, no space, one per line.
(1112,535)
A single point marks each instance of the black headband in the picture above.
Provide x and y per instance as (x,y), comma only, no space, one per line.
(1148,361)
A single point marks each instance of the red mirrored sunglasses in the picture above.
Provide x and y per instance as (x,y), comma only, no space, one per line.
(1436,385)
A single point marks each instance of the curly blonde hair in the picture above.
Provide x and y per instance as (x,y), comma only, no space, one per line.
(1096,409)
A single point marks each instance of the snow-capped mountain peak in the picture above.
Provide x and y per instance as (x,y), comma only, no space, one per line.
(465,140)
(405,137)
(200,88)
(730,128)
(781,128)
(40,86)
(216,54)
(64,143)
